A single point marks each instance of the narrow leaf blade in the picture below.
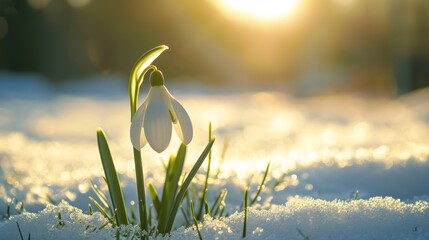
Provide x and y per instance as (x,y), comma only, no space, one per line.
(185,185)
(155,199)
(115,189)
(174,171)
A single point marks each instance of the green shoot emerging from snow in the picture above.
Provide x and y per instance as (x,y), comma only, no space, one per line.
(20,232)
(246,193)
(195,221)
(151,123)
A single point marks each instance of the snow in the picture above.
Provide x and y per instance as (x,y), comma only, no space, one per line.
(376,218)
(46,225)
(321,149)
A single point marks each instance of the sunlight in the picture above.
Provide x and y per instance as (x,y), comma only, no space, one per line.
(262,10)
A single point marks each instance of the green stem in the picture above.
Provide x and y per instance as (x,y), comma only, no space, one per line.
(195,221)
(135,80)
(246,193)
(206,183)
(141,190)
(205,189)
(261,185)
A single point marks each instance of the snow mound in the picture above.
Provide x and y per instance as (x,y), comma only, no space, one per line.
(376,218)
(74,224)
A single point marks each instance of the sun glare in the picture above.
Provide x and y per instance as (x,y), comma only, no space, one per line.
(259,9)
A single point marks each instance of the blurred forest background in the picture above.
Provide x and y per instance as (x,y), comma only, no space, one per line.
(379,46)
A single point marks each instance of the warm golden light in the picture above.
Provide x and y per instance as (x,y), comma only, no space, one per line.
(260,9)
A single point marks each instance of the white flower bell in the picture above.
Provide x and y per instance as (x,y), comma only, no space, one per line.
(153,119)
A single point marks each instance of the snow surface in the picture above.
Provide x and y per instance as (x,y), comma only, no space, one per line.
(324,147)
(376,218)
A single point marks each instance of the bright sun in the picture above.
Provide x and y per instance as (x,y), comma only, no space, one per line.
(259,9)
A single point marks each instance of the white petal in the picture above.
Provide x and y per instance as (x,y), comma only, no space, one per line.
(157,121)
(183,124)
(137,135)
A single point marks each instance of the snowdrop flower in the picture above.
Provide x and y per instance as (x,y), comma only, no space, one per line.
(153,120)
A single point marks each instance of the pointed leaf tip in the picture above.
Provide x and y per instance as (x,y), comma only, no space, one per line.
(140,68)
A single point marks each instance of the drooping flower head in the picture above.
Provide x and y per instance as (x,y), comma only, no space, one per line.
(153,120)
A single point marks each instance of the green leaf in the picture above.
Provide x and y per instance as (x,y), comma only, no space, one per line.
(90,210)
(195,221)
(261,185)
(207,208)
(155,199)
(137,74)
(115,189)
(185,185)
(133,213)
(171,184)
(101,209)
(218,203)
(19,229)
(185,216)
(203,199)
(101,195)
